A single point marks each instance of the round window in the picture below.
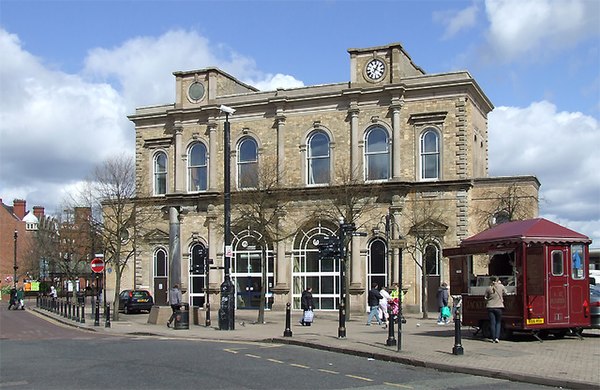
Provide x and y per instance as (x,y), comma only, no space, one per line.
(196,91)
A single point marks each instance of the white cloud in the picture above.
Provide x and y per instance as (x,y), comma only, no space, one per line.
(55,127)
(144,66)
(457,21)
(560,148)
(537,28)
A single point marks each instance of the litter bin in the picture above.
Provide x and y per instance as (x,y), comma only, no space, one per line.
(182,317)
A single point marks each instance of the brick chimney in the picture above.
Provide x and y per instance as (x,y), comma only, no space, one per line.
(19,208)
(38,211)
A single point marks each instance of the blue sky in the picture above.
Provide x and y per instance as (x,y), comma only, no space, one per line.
(70,72)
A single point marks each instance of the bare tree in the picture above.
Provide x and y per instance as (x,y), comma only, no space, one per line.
(112,190)
(510,203)
(260,208)
(427,228)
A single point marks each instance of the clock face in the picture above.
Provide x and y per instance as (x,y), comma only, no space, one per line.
(375,69)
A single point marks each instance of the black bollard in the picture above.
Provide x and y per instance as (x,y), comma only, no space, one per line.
(288,318)
(457,349)
(207,320)
(391,340)
(82,320)
(77,318)
(97,313)
(107,312)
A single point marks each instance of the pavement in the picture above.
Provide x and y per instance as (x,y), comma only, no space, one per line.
(568,363)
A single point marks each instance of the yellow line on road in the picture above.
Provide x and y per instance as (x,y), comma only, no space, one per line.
(397,385)
(359,377)
(275,361)
(298,365)
(328,371)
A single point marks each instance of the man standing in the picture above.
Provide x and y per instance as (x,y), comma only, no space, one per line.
(175,299)
(373,300)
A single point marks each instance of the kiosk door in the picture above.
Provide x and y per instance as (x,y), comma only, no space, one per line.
(558,286)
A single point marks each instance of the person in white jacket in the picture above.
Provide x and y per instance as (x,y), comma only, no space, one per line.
(383,306)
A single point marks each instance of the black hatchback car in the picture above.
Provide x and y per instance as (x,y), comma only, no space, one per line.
(135,300)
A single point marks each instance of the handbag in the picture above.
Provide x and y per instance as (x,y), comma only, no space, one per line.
(446,312)
(308,316)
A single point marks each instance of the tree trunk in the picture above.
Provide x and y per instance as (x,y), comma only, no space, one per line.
(263,287)
(115,309)
(424,295)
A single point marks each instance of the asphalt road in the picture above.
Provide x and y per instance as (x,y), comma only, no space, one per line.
(39,354)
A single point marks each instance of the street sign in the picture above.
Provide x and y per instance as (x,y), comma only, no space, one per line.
(97,265)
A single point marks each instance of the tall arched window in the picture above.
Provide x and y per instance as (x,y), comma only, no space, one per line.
(160,173)
(318,158)
(377,154)
(160,262)
(247,172)
(198,253)
(430,155)
(432,259)
(161,272)
(197,168)
(310,270)
(377,272)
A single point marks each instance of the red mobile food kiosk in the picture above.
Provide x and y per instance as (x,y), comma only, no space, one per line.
(544,267)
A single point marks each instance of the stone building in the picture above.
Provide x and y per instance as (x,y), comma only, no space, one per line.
(400,153)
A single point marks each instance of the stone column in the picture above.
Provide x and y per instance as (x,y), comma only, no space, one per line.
(355,157)
(212,153)
(281,178)
(214,244)
(174,247)
(177,160)
(396,141)
(357,269)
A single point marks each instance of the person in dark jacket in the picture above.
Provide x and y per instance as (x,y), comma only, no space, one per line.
(373,301)
(307,304)
(175,300)
(442,301)
(13,298)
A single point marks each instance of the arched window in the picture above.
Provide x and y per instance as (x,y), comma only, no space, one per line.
(377,272)
(318,158)
(247,172)
(310,270)
(160,263)
(377,154)
(432,259)
(197,168)
(160,173)
(430,155)
(198,253)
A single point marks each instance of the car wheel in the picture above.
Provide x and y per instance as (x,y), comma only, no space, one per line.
(126,310)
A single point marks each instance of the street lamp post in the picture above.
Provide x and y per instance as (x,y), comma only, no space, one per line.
(15,267)
(227,309)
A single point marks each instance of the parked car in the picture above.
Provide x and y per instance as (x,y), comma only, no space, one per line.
(135,300)
(595,305)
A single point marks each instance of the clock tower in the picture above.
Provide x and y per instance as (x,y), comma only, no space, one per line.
(381,65)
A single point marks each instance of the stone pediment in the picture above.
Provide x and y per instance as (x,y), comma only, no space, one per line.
(157,236)
(429,228)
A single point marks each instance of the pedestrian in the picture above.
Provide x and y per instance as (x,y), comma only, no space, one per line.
(383,306)
(12,301)
(20,303)
(307,304)
(442,300)
(494,297)
(373,300)
(175,299)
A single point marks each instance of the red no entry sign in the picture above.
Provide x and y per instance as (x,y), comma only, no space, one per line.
(97,265)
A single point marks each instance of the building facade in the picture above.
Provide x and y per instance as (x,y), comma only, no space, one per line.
(400,153)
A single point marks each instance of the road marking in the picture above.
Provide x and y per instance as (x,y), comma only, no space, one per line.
(328,371)
(397,385)
(253,356)
(359,377)
(230,350)
(298,365)
(276,361)
(10,384)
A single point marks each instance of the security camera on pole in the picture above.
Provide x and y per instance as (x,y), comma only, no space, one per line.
(227,308)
